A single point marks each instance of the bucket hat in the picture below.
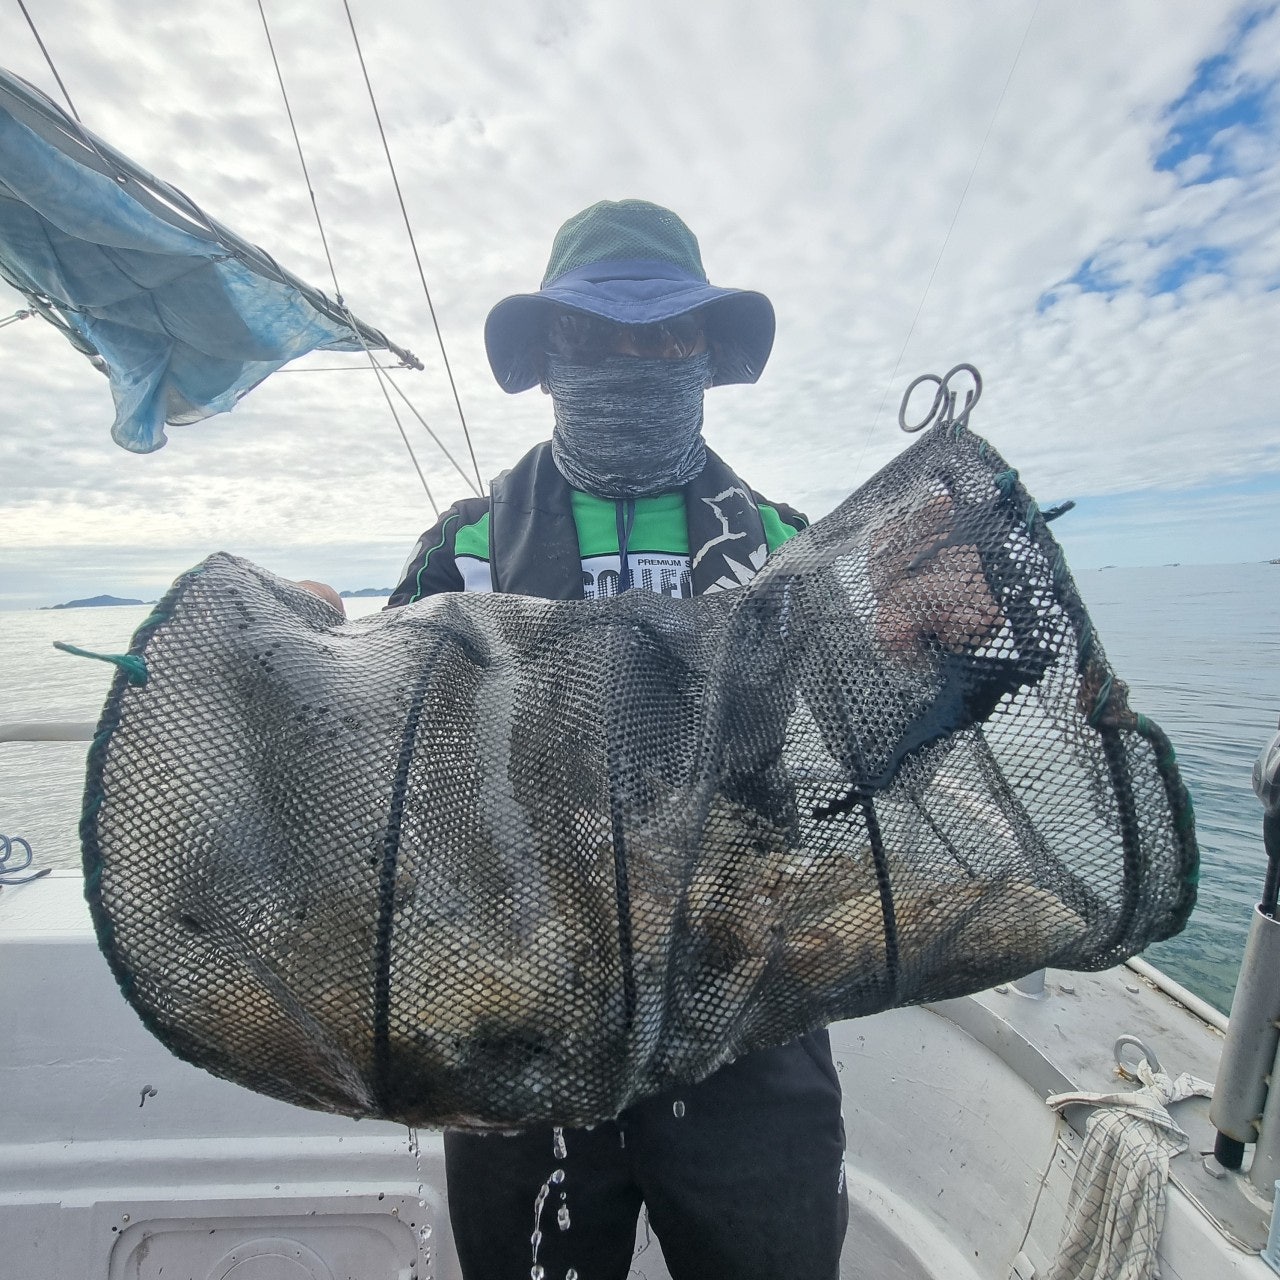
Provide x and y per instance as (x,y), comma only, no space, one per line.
(634,263)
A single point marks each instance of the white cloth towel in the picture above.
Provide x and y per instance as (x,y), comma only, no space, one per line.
(1115,1212)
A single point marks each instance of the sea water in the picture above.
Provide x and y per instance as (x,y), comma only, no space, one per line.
(1198,645)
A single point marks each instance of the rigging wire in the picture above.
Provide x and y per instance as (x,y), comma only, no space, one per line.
(357,368)
(399,390)
(977,160)
(337,288)
(49,60)
(444,355)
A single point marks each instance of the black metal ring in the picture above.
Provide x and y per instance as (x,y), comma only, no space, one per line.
(938,398)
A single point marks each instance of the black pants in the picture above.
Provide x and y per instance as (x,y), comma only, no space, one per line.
(741,1174)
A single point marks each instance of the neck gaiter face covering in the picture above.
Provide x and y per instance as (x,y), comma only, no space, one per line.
(627,426)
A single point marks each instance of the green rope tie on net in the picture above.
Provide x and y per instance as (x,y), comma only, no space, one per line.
(1104,695)
(1033,510)
(153,620)
(1086,640)
(132,664)
(1006,480)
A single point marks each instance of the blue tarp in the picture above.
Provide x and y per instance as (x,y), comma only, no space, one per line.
(183,321)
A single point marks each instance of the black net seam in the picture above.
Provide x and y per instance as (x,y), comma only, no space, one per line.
(387,890)
(885,885)
(622,888)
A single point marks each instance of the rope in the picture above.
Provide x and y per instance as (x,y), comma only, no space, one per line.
(49,60)
(13,319)
(9,846)
(333,272)
(344,368)
(134,667)
(444,355)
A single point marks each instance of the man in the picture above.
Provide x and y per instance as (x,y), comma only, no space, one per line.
(741,1174)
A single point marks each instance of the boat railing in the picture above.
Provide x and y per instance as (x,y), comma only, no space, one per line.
(47,731)
(1162,982)
(16,855)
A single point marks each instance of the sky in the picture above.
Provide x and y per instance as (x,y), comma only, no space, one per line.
(1078,198)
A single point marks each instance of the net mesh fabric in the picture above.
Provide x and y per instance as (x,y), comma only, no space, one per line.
(490,860)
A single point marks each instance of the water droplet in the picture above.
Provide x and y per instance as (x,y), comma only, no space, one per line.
(537,1272)
(426,1231)
(558,1177)
(415,1149)
(571,1274)
(562,1218)
(536,1239)
(677,1109)
(557,1143)
(564,1195)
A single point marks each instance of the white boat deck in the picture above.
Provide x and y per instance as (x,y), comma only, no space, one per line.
(119,1161)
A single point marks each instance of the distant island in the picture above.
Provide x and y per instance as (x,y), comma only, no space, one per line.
(365,591)
(94,602)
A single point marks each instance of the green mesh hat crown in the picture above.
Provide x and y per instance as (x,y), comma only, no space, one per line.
(634,263)
(622,230)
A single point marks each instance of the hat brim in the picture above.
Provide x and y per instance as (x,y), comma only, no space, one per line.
(739,322)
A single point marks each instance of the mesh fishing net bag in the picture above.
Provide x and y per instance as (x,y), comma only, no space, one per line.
(490,860)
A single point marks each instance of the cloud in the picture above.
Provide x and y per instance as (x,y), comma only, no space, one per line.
(1112,267)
